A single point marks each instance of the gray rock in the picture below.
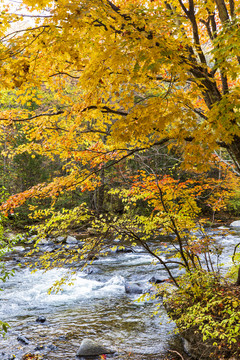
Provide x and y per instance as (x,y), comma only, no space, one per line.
(43,242)
(23,340)
(60,239)
(71,240)
(52,347)
(133,288)
(92,270)
(89,347)
(10,236)
(155,280)
(235,224)
(39,348)
(47,248)
(41,319)
(19,249)
(124,250)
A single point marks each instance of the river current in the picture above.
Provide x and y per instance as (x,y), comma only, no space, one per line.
(95,306)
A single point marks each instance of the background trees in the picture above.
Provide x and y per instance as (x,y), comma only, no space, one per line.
(122,78)
(97,88)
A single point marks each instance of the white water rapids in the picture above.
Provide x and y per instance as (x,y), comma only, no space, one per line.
(95,306)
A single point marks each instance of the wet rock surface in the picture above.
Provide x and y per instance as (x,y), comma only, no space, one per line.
(41,319)
(132,288)
(235,224)
(90,347)
(23,340)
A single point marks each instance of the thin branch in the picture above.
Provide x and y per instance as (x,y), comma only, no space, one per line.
(12,54)
(173,224)
(34,117)
(105,109)
(227,163)
(145,246)
(65,73)
(176,352)
(28,29)
(192,18)
(32,16)
(183,7)
(207,24)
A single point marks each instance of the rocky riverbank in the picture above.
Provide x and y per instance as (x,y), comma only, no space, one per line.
(100,305)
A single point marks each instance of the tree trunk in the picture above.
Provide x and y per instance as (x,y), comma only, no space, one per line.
(238,278)
(234,151)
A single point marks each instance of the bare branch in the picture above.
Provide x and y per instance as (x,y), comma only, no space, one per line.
(32,16)
(65,73)
(105,109)
(176,352)
(25,30)
(34,117)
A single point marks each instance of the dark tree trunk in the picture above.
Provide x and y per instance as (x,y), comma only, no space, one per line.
(234,151)
(238,278)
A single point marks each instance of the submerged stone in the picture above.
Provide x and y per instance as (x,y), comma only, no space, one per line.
(90,347)
(41,319)
(23,340)
(155,280)
(132,288)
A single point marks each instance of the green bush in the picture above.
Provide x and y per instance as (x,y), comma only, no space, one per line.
(233,205)
(213,316)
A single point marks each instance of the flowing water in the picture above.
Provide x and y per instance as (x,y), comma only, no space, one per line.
(95,306)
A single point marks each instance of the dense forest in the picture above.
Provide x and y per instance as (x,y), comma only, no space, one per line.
(121,119)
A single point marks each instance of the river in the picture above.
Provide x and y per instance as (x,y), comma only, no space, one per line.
(95,306)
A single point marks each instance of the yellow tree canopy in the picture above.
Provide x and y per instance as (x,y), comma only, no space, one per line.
(121,77)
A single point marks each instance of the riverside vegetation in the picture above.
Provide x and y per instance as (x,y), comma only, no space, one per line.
(123,117)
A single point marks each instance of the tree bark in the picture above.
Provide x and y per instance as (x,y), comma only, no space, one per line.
(238,278)
(234,151)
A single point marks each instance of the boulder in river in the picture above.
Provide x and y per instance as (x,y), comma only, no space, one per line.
(89,348)
(92,270)
(235,224)
(52,347)
(71,240)
(43,241)
(155,280)
(132,288)
(41,319)
(19,248)
(122,249)
(60,239)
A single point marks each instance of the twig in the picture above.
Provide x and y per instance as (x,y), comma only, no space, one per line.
(176,352)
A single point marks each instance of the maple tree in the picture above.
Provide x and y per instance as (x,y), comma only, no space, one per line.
(123,77)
